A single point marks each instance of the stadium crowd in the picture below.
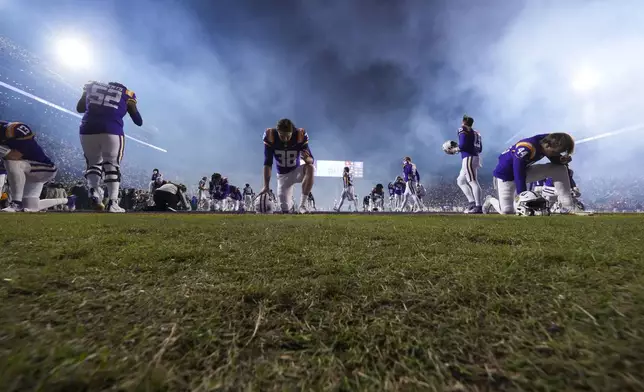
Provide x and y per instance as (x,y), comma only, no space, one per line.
(57,133)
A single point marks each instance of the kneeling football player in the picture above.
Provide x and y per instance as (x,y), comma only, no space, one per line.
(516,168)
(28,169)
(288,145)
(170,197)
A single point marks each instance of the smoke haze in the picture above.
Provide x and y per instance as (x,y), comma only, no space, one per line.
(370,80)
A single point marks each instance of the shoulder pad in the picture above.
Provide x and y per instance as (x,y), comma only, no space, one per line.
(269,136)
(524,150)
(302,137)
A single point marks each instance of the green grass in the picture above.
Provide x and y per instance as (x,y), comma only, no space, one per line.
(198,302)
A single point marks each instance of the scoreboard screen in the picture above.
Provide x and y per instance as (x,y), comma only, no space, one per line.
(336,168)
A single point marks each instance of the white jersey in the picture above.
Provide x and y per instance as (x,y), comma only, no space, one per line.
(169,187)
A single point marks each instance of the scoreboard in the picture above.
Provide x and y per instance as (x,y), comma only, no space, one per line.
(336,168)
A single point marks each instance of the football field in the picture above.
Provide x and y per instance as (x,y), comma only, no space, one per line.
(172,302)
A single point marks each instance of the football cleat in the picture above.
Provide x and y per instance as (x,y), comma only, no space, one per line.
(113,206)
(13,207)
(96,199)
(71,203)
(475,210)
(487,205)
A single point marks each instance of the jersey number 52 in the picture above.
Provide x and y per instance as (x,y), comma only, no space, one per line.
(104,96)
(286,158)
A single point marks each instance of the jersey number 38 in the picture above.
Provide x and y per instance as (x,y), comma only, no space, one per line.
(286,158)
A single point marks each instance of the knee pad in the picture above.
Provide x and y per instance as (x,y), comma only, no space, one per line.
(94,169)
(112,172)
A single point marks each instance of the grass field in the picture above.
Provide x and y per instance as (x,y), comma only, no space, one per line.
(202,302)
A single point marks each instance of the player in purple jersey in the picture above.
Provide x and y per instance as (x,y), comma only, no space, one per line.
(101,133)
(516,168)
(470,146)
(288,145)
(399,190)
(28,169)
(235,198)
(392,195)
(412,177)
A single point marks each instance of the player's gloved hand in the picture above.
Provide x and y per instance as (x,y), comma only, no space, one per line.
(576,192)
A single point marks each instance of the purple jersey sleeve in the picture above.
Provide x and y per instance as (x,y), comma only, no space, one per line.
(269,140)
(462,139)
(522,155)
(519,175)
(268,156)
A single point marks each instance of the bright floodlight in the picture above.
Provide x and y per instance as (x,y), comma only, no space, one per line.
(73,53)
(585,80)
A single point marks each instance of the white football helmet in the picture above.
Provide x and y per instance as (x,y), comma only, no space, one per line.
(531,204)
(263,204)
(450,147)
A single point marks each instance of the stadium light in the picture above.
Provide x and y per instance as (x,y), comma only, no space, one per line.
(585,80)
(73,53)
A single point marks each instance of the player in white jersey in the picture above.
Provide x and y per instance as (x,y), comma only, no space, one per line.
(412,177)
(203,195)
(171,197)
(249,196)
(348,192)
